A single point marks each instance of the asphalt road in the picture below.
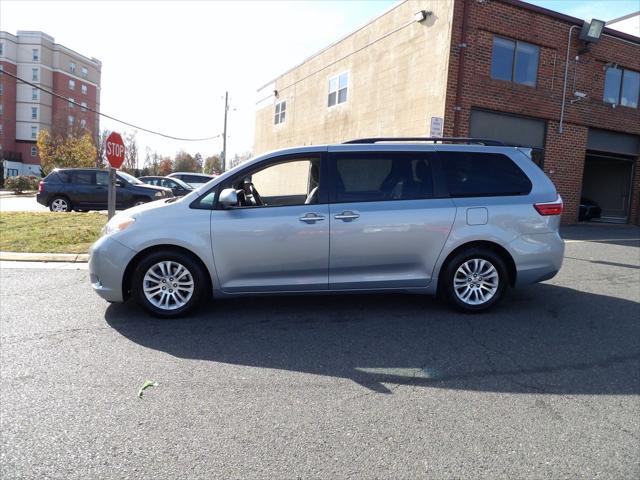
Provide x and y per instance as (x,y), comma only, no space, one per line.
(545,386)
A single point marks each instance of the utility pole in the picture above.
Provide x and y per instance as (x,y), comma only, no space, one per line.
(224,133)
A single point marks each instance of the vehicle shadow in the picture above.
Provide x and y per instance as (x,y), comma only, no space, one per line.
(544,338)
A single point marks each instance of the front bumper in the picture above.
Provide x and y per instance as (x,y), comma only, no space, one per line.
(538,257)
(108,260)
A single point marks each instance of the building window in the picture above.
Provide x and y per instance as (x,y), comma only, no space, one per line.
(34,74)
(621,87)
(12,172)
(85,72)
(34,113)
(35,55)
(281,110)
(71,105)
(71,120)
(72,67)
(1,108)
(34,94)
(514,61)
(338,86)
(83,106)
(1,48)
(34,151)
(72,85)
(84,89)
(0,129)
(34,132)
(83,123)
(1,89)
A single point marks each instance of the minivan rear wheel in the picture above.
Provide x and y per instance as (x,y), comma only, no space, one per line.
(168,284)
(60,204)
(475,280)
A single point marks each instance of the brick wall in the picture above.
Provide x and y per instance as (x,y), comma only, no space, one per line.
(564,153)
(8,116)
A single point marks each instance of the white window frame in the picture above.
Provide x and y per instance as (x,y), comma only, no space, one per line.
(71,84)
(34,131)
(84,89)
(83,106)
(1,108)
(71,104)
(71,120)
(35,74)
(1,129)
(337,89)
(280,113)
(83,123)
(34,93)
(72,67)
(84,72)
(34,113)
(34,151)
(35,54)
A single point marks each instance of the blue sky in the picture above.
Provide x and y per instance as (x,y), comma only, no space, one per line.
(588,9)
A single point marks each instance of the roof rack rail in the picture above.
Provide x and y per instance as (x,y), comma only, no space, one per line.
(480,141)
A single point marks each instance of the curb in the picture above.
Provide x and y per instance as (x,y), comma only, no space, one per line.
(44,257)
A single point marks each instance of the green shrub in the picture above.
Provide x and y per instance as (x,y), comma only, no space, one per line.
(21,183)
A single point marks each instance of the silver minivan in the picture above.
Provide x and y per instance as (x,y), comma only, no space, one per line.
(461,218)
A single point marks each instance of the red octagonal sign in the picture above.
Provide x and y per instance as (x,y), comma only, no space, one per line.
(115,150)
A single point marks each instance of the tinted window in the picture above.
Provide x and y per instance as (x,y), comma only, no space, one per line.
(83,178)
(102,178)
(165,182)
(514,61)
(377,177)
(470,174)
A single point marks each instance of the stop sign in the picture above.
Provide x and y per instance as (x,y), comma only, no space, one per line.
(115,150)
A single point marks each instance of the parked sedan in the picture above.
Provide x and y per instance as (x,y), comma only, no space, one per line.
(177,186)
(84,189)
(194,179)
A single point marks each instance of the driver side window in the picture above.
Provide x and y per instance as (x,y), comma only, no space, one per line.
(294,182)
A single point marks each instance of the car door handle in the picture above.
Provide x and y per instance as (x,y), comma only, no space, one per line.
(311,218)
(347,215)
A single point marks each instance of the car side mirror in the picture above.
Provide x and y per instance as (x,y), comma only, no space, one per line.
(229,197)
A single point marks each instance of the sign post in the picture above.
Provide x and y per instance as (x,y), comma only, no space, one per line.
(115,155)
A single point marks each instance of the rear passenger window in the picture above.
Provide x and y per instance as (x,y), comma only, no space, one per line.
(378,177)
(83,178)
(471,174)
(102,178)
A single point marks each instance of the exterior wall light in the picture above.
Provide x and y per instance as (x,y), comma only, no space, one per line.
(591,31)
(421,15)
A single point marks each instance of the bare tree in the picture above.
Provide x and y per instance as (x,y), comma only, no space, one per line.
(130,152)
(101,145)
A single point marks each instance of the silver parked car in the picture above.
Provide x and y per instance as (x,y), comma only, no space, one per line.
(461,219)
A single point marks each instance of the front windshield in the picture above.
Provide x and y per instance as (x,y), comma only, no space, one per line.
(129,178)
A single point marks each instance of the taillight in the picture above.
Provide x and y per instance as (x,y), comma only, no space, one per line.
(549,208)
(41,187)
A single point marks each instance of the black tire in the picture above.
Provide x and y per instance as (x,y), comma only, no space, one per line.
(449,291)
(195,269)
(139,201)
(60,203)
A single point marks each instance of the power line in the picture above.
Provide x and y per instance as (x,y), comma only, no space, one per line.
(51,92)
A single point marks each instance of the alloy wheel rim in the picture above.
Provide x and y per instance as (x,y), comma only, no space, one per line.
(476,281)
(59,205)
(168,285)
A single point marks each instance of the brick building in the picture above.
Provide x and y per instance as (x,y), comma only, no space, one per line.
(483,68)
(25,110)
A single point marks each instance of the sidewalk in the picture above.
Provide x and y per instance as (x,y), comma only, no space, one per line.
(45,257)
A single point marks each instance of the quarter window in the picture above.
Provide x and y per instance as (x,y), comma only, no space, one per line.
(621,87)
(380,177)
(281,110)
(514,61)
(338,87)
(483,175)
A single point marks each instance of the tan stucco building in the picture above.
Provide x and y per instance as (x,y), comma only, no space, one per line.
(379,60)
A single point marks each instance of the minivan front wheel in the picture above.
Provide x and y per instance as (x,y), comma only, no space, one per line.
(168,284)
(59,204)
(476,280)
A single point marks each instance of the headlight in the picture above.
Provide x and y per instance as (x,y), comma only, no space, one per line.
(117,224)
(159,194)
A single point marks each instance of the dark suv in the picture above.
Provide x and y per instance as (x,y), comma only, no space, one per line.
(84,189)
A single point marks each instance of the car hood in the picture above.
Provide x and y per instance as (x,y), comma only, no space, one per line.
(153,188)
